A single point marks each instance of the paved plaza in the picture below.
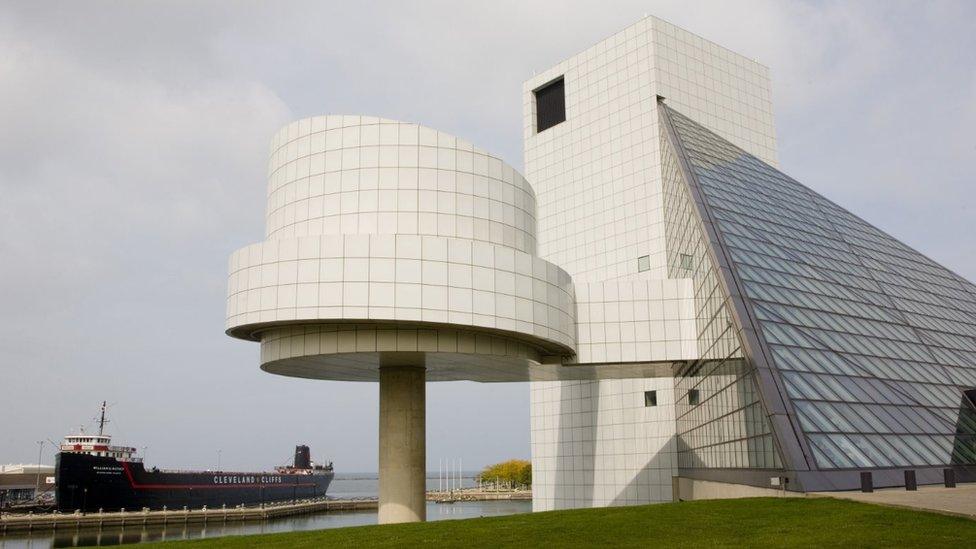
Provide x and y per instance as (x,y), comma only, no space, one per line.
(960,500)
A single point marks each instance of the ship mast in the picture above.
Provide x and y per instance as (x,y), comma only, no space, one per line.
(101,422)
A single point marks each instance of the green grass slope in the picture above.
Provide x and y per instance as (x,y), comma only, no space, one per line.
(766,522)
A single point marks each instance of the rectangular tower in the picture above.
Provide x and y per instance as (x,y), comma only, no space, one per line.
(593,156)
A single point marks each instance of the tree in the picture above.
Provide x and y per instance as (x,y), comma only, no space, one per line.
(515,472)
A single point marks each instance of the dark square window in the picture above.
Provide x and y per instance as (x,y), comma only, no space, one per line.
(650,398)
(687,262)
(550,105)
(693,397)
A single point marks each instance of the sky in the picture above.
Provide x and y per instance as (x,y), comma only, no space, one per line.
(133,142)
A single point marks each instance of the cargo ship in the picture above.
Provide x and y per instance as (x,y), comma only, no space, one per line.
(91,474)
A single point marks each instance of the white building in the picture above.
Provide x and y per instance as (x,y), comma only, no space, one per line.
(597,178)
(695,323)
(23,482)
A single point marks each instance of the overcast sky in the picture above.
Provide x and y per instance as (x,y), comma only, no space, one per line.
(133,140)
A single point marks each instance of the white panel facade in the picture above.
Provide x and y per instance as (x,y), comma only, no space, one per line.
(331,175)
(635,320)
(385,238)
(597,181)
(595,444)
(399,278)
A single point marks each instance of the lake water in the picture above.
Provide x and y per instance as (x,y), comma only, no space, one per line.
(348,486)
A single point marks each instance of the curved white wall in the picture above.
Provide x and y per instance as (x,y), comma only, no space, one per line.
(366,175)
(399,278)
(393,226)
(351,352)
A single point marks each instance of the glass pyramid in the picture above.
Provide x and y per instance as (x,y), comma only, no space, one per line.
(827,345)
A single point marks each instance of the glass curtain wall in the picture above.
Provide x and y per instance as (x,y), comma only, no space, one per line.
(875,343)
(721,422)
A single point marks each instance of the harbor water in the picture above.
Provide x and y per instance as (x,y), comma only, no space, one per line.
(345,486)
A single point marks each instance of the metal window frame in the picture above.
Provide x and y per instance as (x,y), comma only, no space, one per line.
(792,446)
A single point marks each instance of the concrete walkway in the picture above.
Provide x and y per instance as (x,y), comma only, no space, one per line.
(959,501)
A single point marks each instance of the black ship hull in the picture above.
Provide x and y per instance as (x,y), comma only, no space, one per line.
(89,483)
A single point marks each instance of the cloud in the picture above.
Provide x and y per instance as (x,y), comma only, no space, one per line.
(132,161)
(121,184)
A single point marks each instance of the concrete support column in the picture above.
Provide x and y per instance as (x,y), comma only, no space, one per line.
(403,444)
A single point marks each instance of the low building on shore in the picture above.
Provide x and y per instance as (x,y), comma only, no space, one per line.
(23,482)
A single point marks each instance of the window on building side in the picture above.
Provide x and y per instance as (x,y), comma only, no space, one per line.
(650,398)
(550,105)
(643,263)
(687,262)
(693,397)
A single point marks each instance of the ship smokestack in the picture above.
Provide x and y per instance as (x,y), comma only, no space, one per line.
(303,458)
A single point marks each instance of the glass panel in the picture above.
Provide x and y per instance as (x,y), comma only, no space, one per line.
(837,457)
(869,337)
(720,420)
(643,263)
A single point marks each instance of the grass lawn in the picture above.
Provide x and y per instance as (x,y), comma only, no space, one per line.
(809,522)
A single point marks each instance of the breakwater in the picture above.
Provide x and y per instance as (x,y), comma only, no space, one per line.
(33,522)
(36,522)
(475,494)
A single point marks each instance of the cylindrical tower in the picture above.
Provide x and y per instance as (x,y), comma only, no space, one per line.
(399,254)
